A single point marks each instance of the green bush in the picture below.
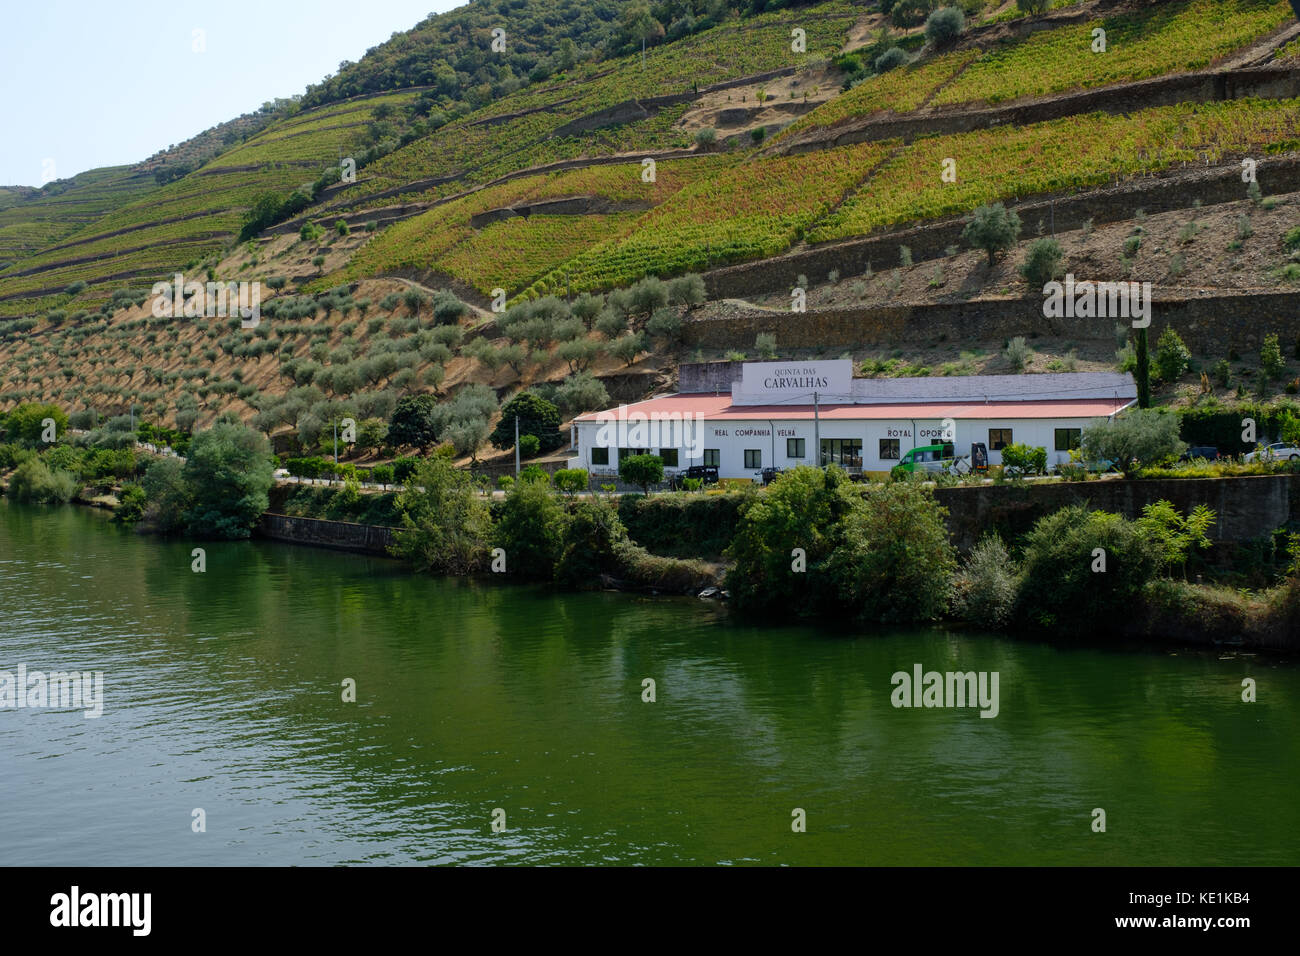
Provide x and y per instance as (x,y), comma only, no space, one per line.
(228,474)
(1061,592)
(1172,356)
(530,528)
(1135,439)
(131,502)
(1042,262)
(1026,460)
(445,524)
(25,423)
(588,545)
(35,482)
(681,525)
(382,474)
(984,590)
(891,560)
(893,57)
(571,480)
(993,228)
(529,446)
(643,470)
(944,25)
(167,494)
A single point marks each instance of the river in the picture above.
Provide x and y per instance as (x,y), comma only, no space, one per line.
(223,693)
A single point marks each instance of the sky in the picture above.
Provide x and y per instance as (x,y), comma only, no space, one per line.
(99,83)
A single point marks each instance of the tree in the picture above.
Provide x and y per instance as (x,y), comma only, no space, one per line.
(944,25)
(1042,262)
(26,423)
(413,423)
(993,228)
(643,470)
(588,548)
(448,309)
(1172,356)
(571,480)
(627,347)
(536,416)
(530,529)
(228,472)
(167,495)
(1033,6)
(1271,361)
(581,392)
(445,524)
(1133,440)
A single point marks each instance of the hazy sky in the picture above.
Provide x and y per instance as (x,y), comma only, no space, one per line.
(101,83)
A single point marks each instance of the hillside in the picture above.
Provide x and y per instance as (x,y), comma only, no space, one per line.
(722,152)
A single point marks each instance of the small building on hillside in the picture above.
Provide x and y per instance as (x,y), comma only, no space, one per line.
(744,417)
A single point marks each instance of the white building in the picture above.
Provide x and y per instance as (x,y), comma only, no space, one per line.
(777,414)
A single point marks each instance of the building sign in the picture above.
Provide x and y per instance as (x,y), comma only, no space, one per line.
(794,383)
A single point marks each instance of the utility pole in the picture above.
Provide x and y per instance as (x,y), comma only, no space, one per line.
(516,446)
(817,431)
(336,440)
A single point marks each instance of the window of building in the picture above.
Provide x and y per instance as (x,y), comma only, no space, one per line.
(668,456)
(889,450)
(712,457)
(624,453)
(753,458)
(999,438)
(600,456)
(1068,439)
(846,452)
(794,447)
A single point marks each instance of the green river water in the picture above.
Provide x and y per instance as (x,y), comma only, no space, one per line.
(222,691)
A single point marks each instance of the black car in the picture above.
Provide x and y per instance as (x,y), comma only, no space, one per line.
(1208,452)
(769,475)
(705,473)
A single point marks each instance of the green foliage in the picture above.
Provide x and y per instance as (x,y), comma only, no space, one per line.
(1024,459)
(529,445)
(1174,533)
(530,527)
(445,524)
(944,25)
(984,590)
(581,392)
(413,423)
(1042,262)
(1271,361)
(168,495)
(1172,356)
(228,474)
(643,470)
(25,423)
(571,480)
(1135,439)
(993,228)
(1033,6)
(892,561)
(130,504)
(588,547)
(537,417)
(1061,592)
(36,482)
(1018,353)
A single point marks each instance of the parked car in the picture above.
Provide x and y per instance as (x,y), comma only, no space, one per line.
(926,458)
(769,475)
(1208,452)
(705,473)
(1278,451)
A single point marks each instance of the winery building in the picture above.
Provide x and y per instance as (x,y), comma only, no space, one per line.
(744,417)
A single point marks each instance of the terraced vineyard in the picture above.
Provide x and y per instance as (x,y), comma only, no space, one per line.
(191,218)
(426,240)
(1158,39)
(1071,153)
(520,130)
(748,211)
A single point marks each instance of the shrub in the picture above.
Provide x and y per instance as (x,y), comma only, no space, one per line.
(895,56)
(26,423)
(581,392)
(1135,439)
(445,525)
(1270,357)
(588,546)
(643,470)
(1060,589)
(33,481)
(993,228)
(984,590)
(530,528)
(382,474)
(341,227)
(892,560)
(131,502)
(1018,353)
(228,474)
(1024,459)
(571,480)
(1042,262)
(1033,6)
(529,445)
(1172,356)
(705,138)
(944,25)
(765,344)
